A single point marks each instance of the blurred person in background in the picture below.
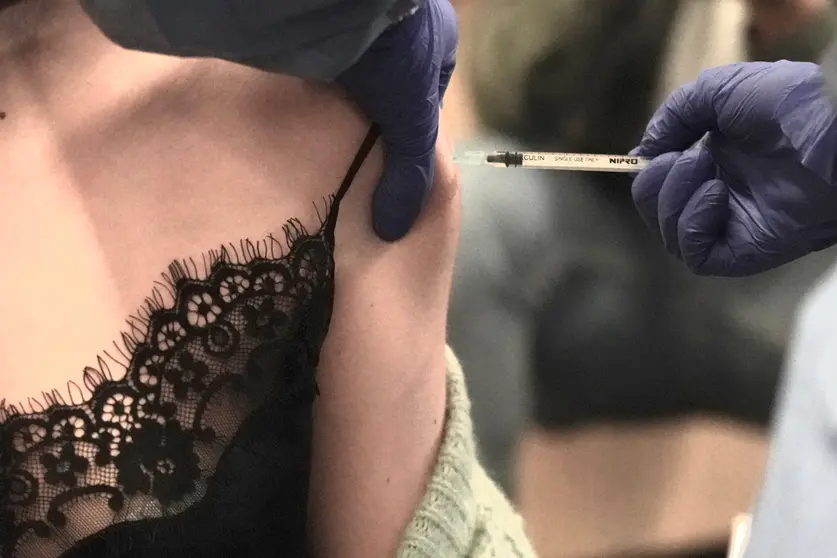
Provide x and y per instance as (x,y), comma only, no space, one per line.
(574,297)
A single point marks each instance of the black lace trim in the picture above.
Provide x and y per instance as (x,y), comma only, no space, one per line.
(243,328)
(154,432)
(181,274)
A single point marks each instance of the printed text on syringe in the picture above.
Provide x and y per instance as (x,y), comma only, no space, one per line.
(579,158)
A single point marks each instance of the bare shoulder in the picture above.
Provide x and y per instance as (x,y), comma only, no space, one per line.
(113,163)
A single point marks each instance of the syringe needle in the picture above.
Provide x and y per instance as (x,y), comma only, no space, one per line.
(471,158)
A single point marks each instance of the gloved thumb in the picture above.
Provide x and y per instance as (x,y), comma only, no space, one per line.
(683,119)
(701,230)
(402,190)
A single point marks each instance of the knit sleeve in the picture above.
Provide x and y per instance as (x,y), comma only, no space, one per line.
(463,513)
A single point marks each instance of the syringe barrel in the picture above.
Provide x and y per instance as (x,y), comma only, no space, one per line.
(570,161)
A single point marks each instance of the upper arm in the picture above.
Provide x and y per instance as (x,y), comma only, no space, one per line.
(382,377)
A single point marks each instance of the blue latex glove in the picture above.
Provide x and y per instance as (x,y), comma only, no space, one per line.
(399,82)
(759,189)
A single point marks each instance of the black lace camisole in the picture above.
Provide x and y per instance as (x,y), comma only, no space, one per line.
(203,448)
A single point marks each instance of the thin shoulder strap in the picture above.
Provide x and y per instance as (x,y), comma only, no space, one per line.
(360,157)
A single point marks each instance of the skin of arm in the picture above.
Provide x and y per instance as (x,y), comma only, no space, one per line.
(383,374)
(127,160)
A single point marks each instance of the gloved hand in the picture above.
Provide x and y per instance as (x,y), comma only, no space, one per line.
(399,83)
(759,189)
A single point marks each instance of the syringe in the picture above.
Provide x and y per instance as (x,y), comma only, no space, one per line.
(555,161)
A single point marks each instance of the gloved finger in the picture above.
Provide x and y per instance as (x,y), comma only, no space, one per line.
(408,170)
(701,230)
(685,116)
(694,167)
(407,111)
(445,17)
(444,77)
(401,193)
(646,187)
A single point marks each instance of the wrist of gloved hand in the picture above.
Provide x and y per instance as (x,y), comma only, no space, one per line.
(816,141)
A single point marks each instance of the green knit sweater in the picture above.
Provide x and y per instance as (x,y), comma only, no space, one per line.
(463,513)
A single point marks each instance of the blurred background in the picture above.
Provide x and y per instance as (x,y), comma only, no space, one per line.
(623,403)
